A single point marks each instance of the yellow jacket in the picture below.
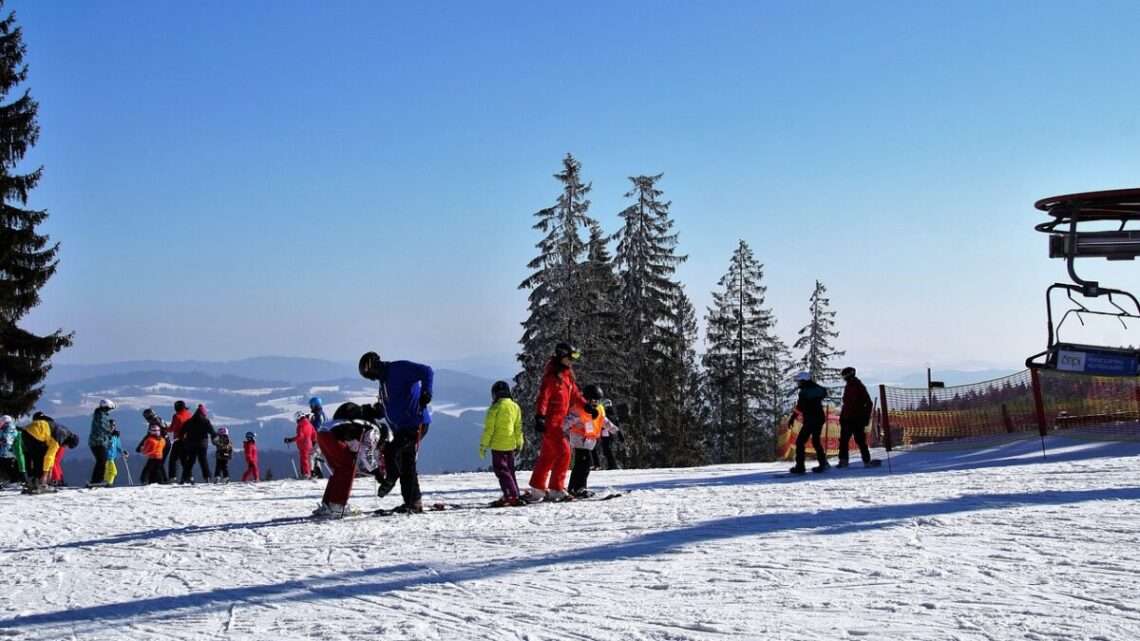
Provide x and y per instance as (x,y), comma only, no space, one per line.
(502,429)
(42,432)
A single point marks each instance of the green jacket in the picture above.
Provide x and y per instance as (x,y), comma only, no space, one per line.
(502,429)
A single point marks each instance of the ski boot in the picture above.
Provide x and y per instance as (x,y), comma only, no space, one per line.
(797,469)
(822,467)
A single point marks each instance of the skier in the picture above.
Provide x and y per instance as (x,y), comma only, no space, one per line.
(223,452)
(196,435)
(584,427)
(405,393)
(557,394)
(114,451)
(350,442)
(249,450)
(503,435)
(43,439)
(100,440)
(317,418)
(305,438)
(181,415)
(9,445)
(610,431)
(810,406)
(853,418)
(152,447)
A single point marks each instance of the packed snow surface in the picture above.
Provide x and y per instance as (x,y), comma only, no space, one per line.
(991,543)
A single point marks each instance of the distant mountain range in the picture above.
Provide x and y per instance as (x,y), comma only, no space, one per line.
(260,395)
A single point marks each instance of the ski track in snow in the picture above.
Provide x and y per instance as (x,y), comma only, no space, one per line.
(994,545)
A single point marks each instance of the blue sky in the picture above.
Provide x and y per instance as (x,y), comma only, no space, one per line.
(317,179)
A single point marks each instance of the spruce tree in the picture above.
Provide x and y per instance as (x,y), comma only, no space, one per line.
(683,414)
(556,286)
(817,338)
(646,260)
(27,260)
(742,360)
(600,336)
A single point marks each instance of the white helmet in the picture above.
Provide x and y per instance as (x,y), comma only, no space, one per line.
(107,404)
(802,376)
(300,415)
(5,419)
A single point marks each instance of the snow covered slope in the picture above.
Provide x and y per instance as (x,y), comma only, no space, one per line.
(990,544)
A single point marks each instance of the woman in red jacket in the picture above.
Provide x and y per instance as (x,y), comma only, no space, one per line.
(557,394)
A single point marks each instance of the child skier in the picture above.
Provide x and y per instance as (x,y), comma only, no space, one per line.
(584,427)
(223,452)
(10,471)
(153,446)
(502,434)
(114,451)
(249,448)
(305,439)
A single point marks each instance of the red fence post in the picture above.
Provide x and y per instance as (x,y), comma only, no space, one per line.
(1038,403)
(885,416)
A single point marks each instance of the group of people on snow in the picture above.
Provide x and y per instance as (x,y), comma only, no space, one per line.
(853,418)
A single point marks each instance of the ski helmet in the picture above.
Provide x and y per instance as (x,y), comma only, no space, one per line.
(156,430)
(802,377)
(501,389)
(592,393)
(150,416)
(300,414)
(223,431)
(847,371)
(249,436)
(564,350)
(315,402)
(370,366)
(106,404)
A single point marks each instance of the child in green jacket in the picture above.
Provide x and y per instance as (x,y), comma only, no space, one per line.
(502,434)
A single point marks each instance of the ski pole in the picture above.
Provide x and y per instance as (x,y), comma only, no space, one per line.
(296,474)
(128,467)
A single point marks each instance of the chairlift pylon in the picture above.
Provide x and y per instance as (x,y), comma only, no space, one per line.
(1066,240)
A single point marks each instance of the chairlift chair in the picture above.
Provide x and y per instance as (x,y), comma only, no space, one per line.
(1066,240)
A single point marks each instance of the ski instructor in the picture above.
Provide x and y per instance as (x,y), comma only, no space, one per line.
(405,392)
(557,395)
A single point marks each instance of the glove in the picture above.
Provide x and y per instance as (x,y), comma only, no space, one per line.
(592,409)
(425,399)
(482,452)
(539,424)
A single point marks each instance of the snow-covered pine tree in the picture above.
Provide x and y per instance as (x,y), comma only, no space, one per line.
(740,357)
(646,261)
(817,338)
(682,413)
(600,336)
(27,261)
(556,287)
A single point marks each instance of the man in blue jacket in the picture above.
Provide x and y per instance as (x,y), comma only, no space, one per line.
(405,391)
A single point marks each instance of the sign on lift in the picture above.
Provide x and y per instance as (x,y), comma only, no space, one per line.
(1082,360)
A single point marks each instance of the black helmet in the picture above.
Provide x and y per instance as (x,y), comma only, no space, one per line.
(847,371)
(249,436)
(501,389)
(592,393)
(149,415)
(563,350)
(370,366)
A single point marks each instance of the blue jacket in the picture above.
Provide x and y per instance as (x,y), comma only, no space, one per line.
(114,449)
(100,429)
(318,418)
(401,389)
(8,440)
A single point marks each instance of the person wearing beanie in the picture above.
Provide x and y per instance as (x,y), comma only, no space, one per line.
(854,417)
(196,435)
(181,415)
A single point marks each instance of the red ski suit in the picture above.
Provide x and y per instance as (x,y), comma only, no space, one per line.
(251,471)
(557,394)
(306,437)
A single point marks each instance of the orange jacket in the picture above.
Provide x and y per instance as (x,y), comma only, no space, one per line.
(153,446)
(178,421)
(584,430)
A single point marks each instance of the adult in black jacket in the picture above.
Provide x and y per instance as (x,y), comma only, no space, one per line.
(854,416)
(810,406)
(196,435)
